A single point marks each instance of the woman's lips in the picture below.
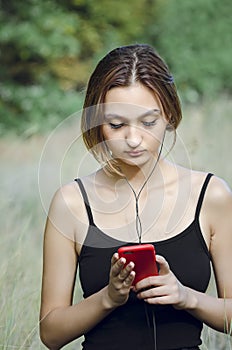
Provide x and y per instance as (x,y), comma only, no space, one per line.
(135,153)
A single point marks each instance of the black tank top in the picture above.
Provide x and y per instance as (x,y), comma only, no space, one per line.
(132,325)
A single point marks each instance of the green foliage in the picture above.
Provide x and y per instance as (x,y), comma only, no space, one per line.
(48,49)
(37,108)
(195,37)
(47,52)
(34,36)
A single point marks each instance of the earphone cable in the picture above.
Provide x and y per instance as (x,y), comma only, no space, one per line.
(151,323)
(138,222)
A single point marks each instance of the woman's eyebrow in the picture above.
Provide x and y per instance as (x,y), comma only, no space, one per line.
(113,115)
(154,111)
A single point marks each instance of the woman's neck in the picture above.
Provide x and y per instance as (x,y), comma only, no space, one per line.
(150,174)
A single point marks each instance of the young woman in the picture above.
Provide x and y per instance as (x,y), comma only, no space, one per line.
(136,197)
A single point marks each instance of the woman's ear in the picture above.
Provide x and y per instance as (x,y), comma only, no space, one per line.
(170,124)
(170,127)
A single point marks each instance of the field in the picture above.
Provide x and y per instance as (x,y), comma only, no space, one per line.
(32,169)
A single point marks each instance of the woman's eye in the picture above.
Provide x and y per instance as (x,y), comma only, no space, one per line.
(152,123)
(116,126)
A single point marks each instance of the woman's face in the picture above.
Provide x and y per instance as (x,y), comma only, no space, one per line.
(134,124)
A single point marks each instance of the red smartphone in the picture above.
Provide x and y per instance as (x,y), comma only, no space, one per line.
(143,256)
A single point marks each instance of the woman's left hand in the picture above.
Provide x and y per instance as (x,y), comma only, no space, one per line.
(162,289)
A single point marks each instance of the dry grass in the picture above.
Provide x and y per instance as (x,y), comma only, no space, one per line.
(206,132)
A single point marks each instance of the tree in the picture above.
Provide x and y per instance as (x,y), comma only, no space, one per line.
(48,49)
(195,37)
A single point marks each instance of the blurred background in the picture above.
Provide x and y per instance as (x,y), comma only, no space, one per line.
(48,49)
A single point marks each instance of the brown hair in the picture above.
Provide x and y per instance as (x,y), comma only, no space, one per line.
(124,66)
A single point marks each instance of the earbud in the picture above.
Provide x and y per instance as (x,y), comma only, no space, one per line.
(170,127)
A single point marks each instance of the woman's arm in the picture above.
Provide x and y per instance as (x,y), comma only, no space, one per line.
(60,321)
(214,311)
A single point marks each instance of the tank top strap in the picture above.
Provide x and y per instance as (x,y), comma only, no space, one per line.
(86,201)
(202,194)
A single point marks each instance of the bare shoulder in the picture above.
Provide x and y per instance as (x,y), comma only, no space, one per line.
(219,192)
(217,208)
(69,197)
(67,211)
(66,194)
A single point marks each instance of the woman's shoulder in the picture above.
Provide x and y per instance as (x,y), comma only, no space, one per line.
(68,203)
(66,195)
(69,196)
(218,194)
(67,211)
(70,192)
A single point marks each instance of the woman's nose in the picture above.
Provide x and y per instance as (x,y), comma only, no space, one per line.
(133,137)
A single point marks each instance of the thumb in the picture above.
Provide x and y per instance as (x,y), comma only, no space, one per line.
(164,268)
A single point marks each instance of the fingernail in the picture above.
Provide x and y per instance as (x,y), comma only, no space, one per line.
(131,264)
(122,261)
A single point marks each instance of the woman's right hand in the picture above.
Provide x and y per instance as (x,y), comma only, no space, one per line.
(120,282)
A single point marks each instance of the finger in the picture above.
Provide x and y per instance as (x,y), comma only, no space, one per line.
(162,300)
(163,265)
(114,258)
(124,279)
(151,282)
(129,280)
(118,266)
(153,292)
(148,282)
(126,271)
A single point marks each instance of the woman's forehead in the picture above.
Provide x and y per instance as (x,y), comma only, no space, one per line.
(125,110)
(136,94)
(135,99)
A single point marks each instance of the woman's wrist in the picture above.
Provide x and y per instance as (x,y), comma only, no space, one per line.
(191,299)
(189,302)
(107,302)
